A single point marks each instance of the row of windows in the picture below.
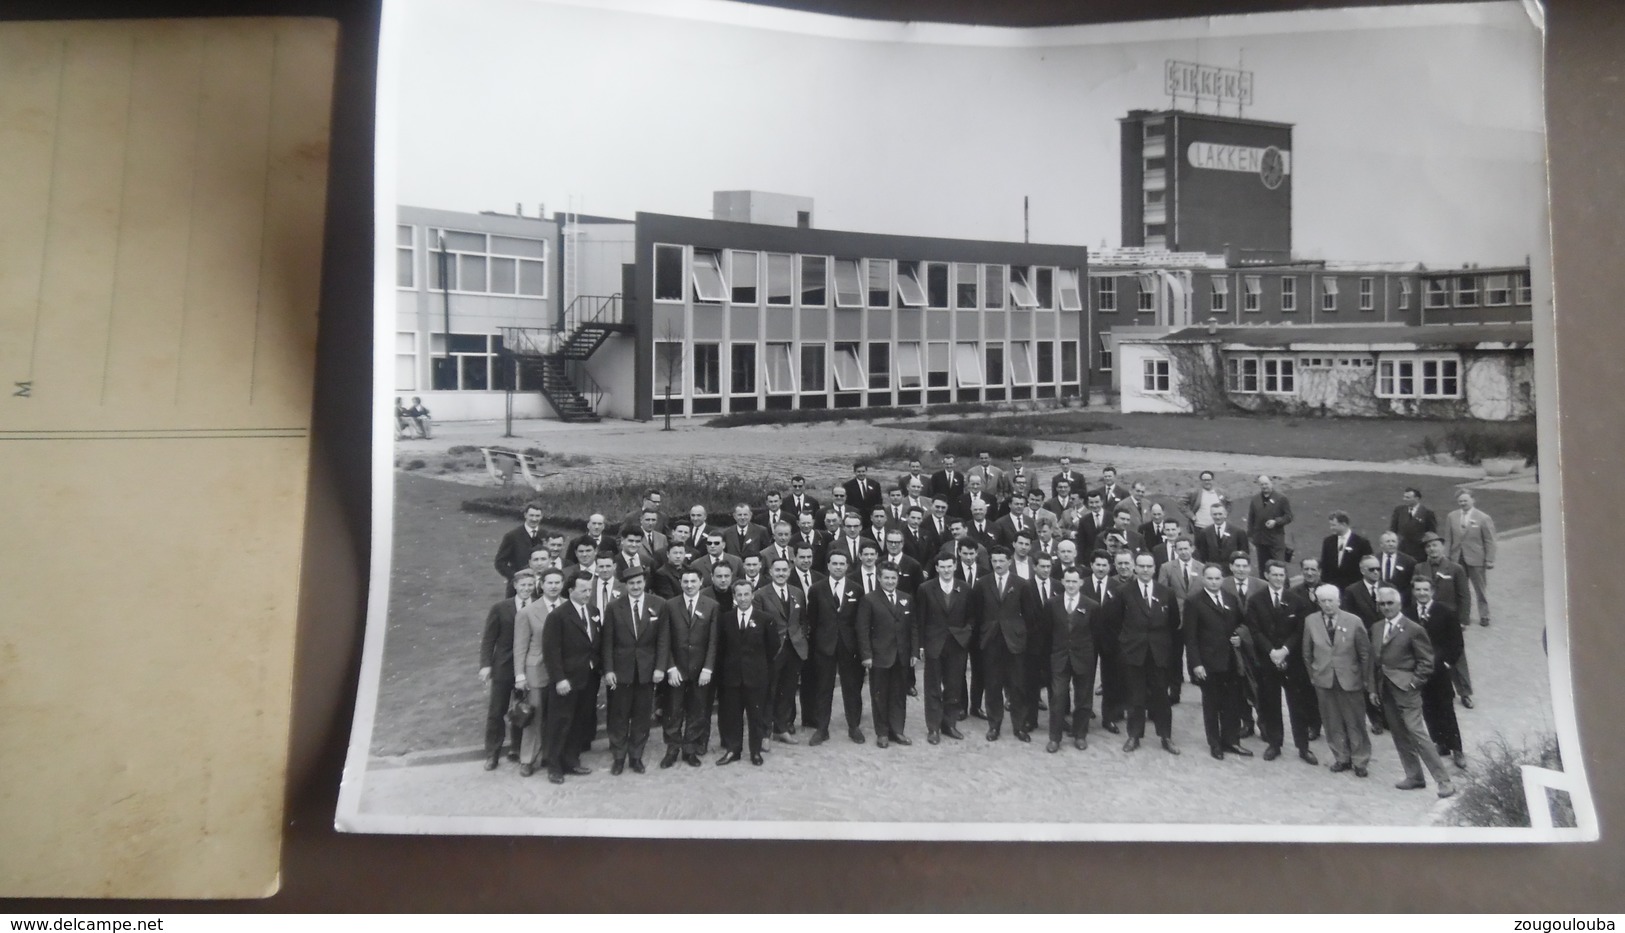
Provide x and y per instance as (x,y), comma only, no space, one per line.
(1464,291)
(474,363)
(846,367)
(749,277)
(477,263)
(1498,291)
(1412,378)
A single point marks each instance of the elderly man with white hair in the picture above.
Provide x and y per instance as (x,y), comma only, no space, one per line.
(1337,652)
(1404,662)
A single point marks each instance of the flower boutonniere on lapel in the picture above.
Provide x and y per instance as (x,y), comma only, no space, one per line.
(902,602)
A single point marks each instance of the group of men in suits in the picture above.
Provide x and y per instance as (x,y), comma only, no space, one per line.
(988,594)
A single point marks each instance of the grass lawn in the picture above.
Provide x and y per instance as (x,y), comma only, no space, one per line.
(1331,438)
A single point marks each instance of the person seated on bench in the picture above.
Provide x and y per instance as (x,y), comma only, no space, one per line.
(403,421)
(419,416)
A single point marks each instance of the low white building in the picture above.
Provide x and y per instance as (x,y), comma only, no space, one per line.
(1483,371)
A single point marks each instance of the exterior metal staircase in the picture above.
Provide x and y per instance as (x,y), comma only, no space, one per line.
(553,361)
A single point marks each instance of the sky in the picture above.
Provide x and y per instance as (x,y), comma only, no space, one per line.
(1418,131)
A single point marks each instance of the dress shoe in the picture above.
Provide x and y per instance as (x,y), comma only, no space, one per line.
(1272,752)
(491,762)
(901,739)
(1080,743)
(1022,735)
(1043,707)
(756,758)
(1172,749)
(1447,789)
(1112,727)
(933,736)
(527,769)
(818,738)
(856,735)
(882,742)
(1341,766)
(1240,750)
(692,760)
(1052,747)
(1216,752)
(1376,729)
(1411,784)
(578,770)
(1308,757)
(553,777)
(513,754)
(993,734)
(1467,701)
(637,765)
(1360,772)
(1132,744)
(1247,730)
(671,756)
(786,738)
(1173,699)
(1314,733)
(1485,623)
(914,691)
(618,766)
(728,758)
(952,733)
(1459,760)
(977,712)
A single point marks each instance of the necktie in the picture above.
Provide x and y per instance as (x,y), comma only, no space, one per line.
(1043,594)
(892,598)
(1275,599)
(784,596)
(691,607)
(637,613)
(1388,569)
(741,618)
(634,560)
(999,586)
(1330,629)
(1071,605)
(1145,591)
(1388,635)
(868,583)
(1100,590)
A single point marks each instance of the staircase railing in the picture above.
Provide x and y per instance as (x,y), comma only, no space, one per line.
(584,382)
(592,309)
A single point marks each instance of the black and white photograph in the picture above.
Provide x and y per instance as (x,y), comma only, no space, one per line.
(797,426)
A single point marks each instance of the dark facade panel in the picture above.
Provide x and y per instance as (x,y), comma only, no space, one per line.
(1219,207)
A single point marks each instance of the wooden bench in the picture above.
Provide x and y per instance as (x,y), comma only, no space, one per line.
(502,464)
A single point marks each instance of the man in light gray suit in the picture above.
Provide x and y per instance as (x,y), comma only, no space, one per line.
(1404,662)
(1469,536)
(1337,651)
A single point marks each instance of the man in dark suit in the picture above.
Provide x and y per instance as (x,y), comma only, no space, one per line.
(688,656)
(832,613)
(946,626)
(863,493)
(1041,593)
(1091,523)
(632,646)
(909,574)
(632,554)
(596,535)
(886,643)
(716,553)
(1147,621)
(1072,660)
(785,608)
(1111,492)
(1213,627)
(1360,597)
(1121,536)
(1059,503)
(1411,520)
(1449,581)
(799,502)
(1072,477)
(850,543)
(1404,662)
(1438,695)
(497,670)
(744,537)
(916,473)
(571,639)
(513,554)
(667,580)
(976,500)
(773,512)
(1341,552)
(746,644)
(1276,623)
(1394,568)
(1216,543)
(720,588)
(781,545)
(947,483)
(1268,514)
(917,541)
(1002,630)
(1154,531)
(802,575)
(808,533)
(1101,587)
(838,507)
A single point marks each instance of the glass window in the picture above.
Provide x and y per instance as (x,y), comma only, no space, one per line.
(910,374)
(1280,376)
(993,286)
(1044,287)
(406,361)
(1449,379)
(1071,297)
(1107,290)
(1467,291)
(849,375)
(494,265)
(1241,373)
(813,368)
(1253,291)
(1404,294)
(967,279)
(995,364)
(460,242)
(504,277)
(1148,292)
(909,292)
(470,273)
(1021,362)
(814,281)
(879,366)
(1497,290)
(1289,293)
(1156,374)
(707,369)
(742,369)
(532,279)
(1069,361)
(1046,361)
(746,272)
(668,273)
(780,368)
(707,271)
(936,354)
(1438,293)
(1106,353)
(936,284)
(1525,289)
(1221,293)
(1021,290)
(967,366)
(848,284)
(780,267)
(668,368)
(879,283)
(403,256)
(1368,293)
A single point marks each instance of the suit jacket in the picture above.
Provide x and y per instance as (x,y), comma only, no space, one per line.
(1411,528)
(1162,552)
(747,542)
(1340,568)
(1172,575)
(770,552)
(645,560)
(805,586)
(1131,539)
(1037,612)
(496,647)
(744,655)
(1071,476)
(690,642)
(1089,530)
(909,572)
(1072,635)
(1449,581)
(918,546)
(1343,661)
(903,479)
(939,616)
(984,560)
(704,564)
(1358,600)
(885,630)
(527,643)
(632,651)
(1469,538)
(833,623)
(1275,627)
(1232,587)
(667,581)
(1207,630)
(1404,568)
(1151,534)
(1279,508)
(570,646)
(616,592)
(962,507)
(605,540)
(768,519)
(1145,631)
(947,483)
(513,554)
(1406,659)
(993,479)
(1005,529)
(1137,511)
(1444,633)
(867,496)
(1001,614)
(1110,496)
(1193,501)
(848,546)
(1214,549)
(789,618)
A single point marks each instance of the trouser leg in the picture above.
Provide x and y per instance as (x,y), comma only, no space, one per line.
(757,715)
(697,701)
(851,674)
(1060,694)
(496,713)
(1461,677)
(933,693)
(619,725)
(786,681)
(823,681)
(561,719)
(994,670)
(1337,738)
(1300,700)
(1156,691)
(731,718)
(1271,683)
(530,737)
(1015,688)
(1479,577)
(1134,684)
(643,709)
(953,662)
(880,709)
(978,677)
